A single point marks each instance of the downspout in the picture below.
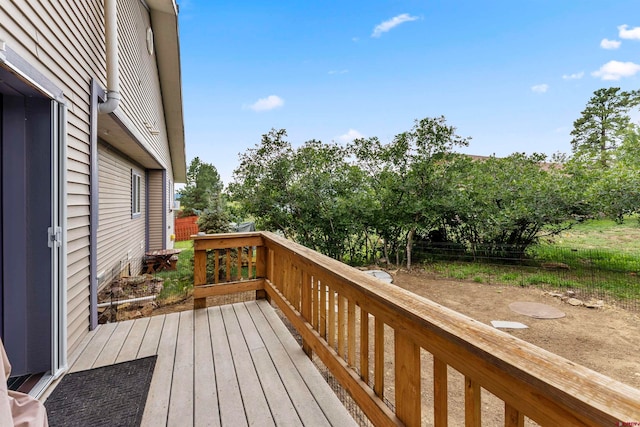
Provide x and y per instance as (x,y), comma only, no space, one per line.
(111,45)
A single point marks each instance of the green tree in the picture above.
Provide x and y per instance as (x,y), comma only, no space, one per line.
(602,124)
(203,185)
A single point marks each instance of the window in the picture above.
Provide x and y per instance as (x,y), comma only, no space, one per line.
(136,194)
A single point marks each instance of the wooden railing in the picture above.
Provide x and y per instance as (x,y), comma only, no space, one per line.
(345,317)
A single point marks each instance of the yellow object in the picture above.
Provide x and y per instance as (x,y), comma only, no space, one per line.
(172,237)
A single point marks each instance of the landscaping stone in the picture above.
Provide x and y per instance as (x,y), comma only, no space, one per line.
(574,302)
(505,324)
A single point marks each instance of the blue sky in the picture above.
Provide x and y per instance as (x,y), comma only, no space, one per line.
(512,75)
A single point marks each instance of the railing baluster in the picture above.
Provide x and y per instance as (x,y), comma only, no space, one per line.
(216,268)
(331,331)
(472,403)
(378,378)
(512,417)
(407,381)
(351,333)
(322,310)
(307,304)
(341,326)
(314,302)
(228,263)
(239,272)
(440,403)
(364,345)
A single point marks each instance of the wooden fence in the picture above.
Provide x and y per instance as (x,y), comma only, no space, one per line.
(185,228)
(345,317)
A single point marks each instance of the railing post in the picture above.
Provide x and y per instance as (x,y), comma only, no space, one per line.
(261,269)
(199,275)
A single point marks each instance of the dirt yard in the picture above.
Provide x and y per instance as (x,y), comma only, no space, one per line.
(606,339)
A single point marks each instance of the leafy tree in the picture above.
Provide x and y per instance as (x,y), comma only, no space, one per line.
(602,124)
(203,185)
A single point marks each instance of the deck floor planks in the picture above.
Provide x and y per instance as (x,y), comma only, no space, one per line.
(205,393)
(282,409)
(94,348)
(112,348)
(331,406)
(229,397)
(129,350)
(181,403)
(157,406)
(223,366)
(300,395)
(151,340)
(256,407)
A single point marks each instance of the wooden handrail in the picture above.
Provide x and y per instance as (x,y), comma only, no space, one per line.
(324,299)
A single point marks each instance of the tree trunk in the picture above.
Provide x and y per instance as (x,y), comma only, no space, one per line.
(412,232)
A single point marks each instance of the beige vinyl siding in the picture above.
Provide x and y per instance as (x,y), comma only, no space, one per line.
(63,40)
(121,237)
(155,210)
(140,85)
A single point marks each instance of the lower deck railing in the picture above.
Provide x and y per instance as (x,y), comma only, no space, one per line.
(345,316)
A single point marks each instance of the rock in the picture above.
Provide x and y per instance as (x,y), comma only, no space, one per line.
(575,302)
(594,304)
(570,293)
(137,314)
(117,291)
(146,310)
(555,294)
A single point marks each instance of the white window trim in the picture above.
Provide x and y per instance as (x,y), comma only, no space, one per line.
(136,194)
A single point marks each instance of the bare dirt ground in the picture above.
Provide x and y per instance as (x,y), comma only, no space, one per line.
(606,340)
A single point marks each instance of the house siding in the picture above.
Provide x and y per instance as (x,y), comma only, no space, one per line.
(121,236)
(155,210)
(64,40)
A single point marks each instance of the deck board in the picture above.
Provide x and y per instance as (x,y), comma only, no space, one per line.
(221,366)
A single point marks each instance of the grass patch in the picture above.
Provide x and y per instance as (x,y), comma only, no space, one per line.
(178,284)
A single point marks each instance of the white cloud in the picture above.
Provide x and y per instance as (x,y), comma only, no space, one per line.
(610,44)
(338,71)
(632,34)
(268,103)
(350,136)
(615,70)
(542,88)
(574,76)
(392,23)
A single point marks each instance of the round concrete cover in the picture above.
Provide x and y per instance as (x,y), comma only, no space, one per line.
(536,310)
(379,274)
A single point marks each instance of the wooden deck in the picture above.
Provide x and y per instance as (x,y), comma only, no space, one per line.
(230,365)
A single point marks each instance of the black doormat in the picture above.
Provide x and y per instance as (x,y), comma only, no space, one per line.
(113,395)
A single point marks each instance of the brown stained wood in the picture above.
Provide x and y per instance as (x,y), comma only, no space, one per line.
(364,345)
(239,264)
(199,275)
(407,380)
(512,417)
(378,355)
(322,312)
(544,387)
(227,254)
(250,269)
(472,403)
(351,333)
(229,240)
(261,261)
(375,409)
(331,327)
(216,268)
(315,302)
(201,292)
(342,323)
(307,306)
(440,401)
